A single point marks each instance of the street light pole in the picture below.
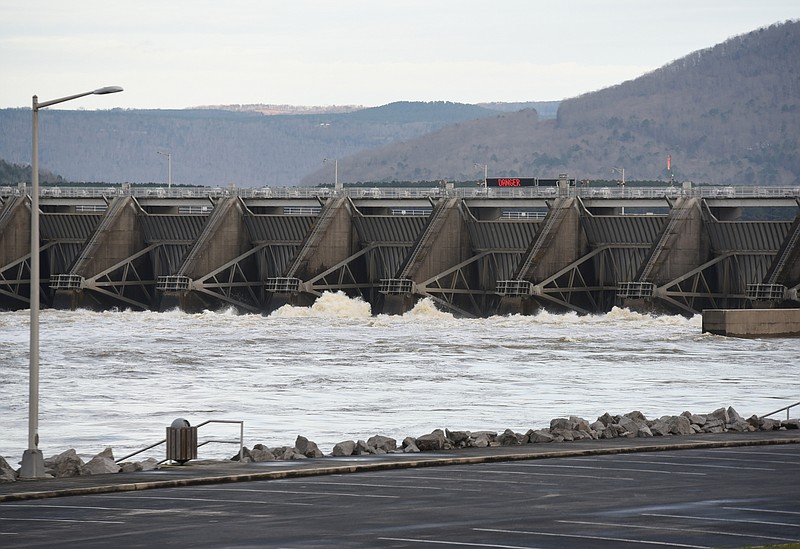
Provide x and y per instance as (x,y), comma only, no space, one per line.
(169,167)
(622,185)
(485,172)
(335,173)
(32,460)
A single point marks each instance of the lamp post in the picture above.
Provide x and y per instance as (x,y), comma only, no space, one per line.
(485,172)
(169,167)
(621,171)
(336,185)
(32,459)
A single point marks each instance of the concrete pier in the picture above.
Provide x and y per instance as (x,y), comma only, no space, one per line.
(752,322)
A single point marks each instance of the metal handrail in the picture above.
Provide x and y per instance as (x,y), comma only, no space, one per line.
(713,192)
(787,408)
(241,434)
(240,441)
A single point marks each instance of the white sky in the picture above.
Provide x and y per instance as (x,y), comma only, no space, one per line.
(184,53)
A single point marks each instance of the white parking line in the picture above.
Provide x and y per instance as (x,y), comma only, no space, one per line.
(762,510)
(62,520)
(393,486)
(89,507)
(599,538)
(692,464)
(292,492)
(593,477)
(472,480)
(208,500)
(668,528)
(458,543)
(654,471)
(712,519)
(720,458)
(755,453)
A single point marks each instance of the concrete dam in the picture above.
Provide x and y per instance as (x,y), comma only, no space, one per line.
(475,252)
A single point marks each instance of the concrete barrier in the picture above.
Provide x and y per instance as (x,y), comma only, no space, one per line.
(752,322)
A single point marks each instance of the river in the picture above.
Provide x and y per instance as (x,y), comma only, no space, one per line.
(334,372)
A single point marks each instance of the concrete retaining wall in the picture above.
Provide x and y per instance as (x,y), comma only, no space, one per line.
(752,322)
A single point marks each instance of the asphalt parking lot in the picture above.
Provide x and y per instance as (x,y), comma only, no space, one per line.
(709,497)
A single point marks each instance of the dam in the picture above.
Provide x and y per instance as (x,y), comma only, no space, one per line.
(475,252)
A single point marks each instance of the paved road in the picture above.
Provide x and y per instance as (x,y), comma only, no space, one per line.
(720,497)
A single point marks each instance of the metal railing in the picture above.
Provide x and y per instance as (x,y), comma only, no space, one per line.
(779,410)
(411,193)
(208,441)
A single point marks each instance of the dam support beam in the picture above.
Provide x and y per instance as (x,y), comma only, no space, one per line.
(679,246)
(328,242)
(445,233)
(679,249)
(322,261)
(552,259)
(222,239)
(15,252)
(114,241)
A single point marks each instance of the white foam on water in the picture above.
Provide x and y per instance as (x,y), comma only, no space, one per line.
(332,372)
(328,305)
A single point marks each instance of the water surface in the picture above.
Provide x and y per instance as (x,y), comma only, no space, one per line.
(334,372)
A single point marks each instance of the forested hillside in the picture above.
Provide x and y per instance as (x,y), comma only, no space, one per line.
(214,147)
(12,175)
(729,114)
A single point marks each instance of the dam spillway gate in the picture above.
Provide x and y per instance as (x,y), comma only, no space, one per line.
(475,252)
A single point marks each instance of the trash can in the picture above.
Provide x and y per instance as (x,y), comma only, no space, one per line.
(181,441)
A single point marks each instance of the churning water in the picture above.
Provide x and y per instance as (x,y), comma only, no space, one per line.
(334,372)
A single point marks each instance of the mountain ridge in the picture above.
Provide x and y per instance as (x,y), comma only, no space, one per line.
(727,114)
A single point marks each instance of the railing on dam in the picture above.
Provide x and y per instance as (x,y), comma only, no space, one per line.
(411,193)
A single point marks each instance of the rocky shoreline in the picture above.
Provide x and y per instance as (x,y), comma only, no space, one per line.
(631,425)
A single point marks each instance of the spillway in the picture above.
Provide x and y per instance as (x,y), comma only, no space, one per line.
(474,252)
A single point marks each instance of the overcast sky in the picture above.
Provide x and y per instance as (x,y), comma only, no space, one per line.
(185,53)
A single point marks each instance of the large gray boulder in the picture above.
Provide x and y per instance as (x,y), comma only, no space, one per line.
(508,438)
(768,424)
(721,415)
(695,419)
(579,424)
(672,425)
(65,464)
(308,448)
(636,415)
(344,448)
(243,456)
(607,419)
(362,448)
(483,439)
(633,425)
(459,439)
(733,416)
(101,464)
(560,424)
(7,474)
(432,441)
(147,465)
(261,453)
(290,453)
(410,445)
(539,435)
(380,442)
